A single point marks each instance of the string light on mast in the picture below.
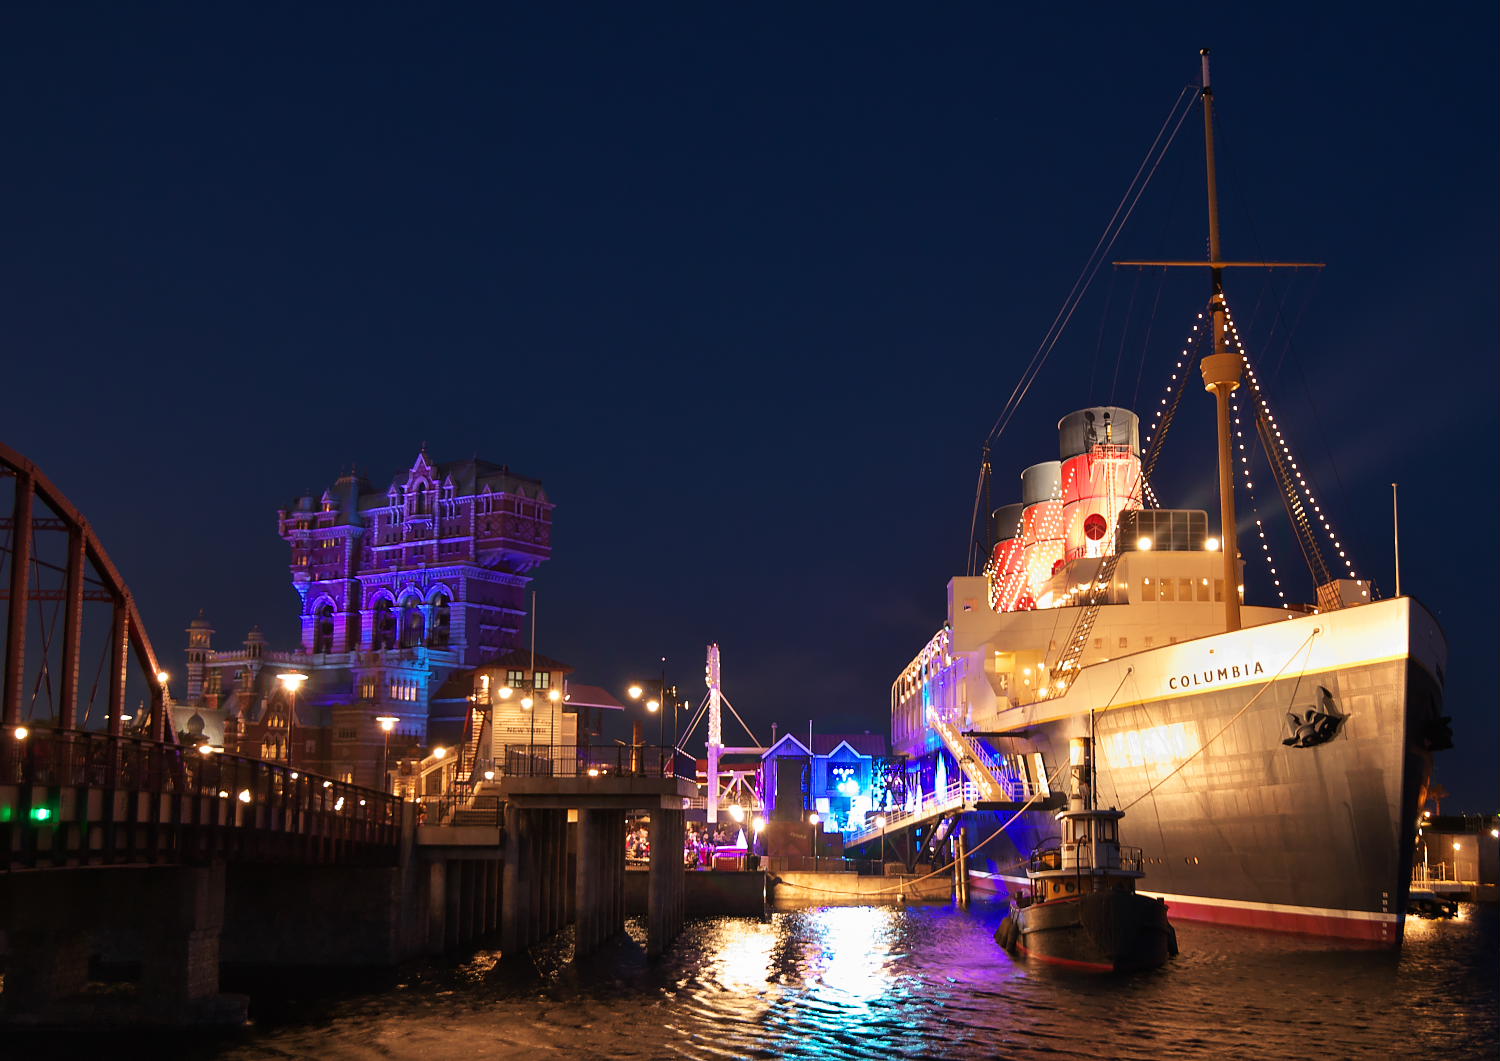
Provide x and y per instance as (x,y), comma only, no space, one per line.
(1286,450)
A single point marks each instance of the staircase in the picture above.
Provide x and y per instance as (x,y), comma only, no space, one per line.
(482,809)
(975,760)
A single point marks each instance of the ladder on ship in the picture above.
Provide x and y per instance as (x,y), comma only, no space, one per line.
(1066,668)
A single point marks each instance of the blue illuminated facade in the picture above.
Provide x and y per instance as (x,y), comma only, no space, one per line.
(400,589)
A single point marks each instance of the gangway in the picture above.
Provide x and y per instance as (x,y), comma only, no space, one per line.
(958,798)
(973,758)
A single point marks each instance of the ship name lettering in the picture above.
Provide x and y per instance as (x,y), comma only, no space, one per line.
(1223,674)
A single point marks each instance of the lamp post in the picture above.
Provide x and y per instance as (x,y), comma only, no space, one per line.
(812,822)
(657,705)
(757,825)
(386,723)
(160,717)
(291,681)
(880,824)
(554,698)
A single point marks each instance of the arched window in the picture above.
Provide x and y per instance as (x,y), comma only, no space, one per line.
(438,638)
(323,629)
(411,625)
(383,632)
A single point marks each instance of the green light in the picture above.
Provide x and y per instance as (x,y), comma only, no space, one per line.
(41,814)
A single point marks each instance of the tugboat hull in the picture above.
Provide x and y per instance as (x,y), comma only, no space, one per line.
(1107,931)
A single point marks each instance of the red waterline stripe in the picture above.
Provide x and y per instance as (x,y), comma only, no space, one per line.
(1285,921)
(1067,963)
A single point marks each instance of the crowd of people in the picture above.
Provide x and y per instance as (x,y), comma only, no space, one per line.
(699,842)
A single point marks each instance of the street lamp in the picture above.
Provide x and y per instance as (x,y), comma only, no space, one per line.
(386,723)
(812,822)
(291,681)
(880,824)
(554,697)
(656,704)
(526,703)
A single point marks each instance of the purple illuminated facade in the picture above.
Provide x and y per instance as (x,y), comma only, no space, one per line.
(401,589)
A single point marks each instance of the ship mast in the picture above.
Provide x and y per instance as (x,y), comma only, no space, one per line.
(1221,368)
(1221,371)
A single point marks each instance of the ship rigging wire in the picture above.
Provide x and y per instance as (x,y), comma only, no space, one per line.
(1123,211)
(1096,259)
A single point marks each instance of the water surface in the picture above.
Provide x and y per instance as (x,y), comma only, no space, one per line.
(923,981)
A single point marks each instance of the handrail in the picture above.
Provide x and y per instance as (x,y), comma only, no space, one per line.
(1081,859)
(568,760)
(259,795)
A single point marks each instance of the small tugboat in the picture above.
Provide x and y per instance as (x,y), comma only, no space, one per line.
(1083,911)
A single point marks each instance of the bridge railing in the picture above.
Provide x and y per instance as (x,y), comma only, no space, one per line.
(566,760)
(48,774)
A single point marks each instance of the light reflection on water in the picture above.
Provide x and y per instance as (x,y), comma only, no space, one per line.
(919,981)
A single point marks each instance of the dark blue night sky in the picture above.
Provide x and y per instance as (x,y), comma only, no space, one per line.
(746,286)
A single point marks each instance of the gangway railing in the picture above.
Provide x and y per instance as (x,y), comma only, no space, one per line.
(957,795)
(973,759)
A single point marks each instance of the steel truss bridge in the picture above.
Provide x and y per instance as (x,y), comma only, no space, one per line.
(77,788)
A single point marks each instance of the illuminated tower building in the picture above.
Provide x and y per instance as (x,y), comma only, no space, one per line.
(399,588)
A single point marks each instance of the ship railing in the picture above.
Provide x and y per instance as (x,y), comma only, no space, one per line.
(1080,858)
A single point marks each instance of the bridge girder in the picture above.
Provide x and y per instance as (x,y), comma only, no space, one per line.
(128,636)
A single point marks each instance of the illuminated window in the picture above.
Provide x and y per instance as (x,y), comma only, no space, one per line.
(515,678)
(1185,589)
(1148,591)
(543,679)
(1218,589)
(1203,591)
(1168,588)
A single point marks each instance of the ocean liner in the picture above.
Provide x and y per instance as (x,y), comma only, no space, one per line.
(1273,759)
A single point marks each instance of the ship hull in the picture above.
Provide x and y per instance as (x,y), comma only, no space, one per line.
(1237,825)
(1106,931)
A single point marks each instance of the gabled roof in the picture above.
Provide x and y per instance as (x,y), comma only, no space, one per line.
(521,659)
(867,743)
(801,749)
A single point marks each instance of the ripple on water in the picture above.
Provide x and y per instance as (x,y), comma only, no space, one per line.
(849,982)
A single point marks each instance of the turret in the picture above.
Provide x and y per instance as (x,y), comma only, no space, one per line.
(199,647)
